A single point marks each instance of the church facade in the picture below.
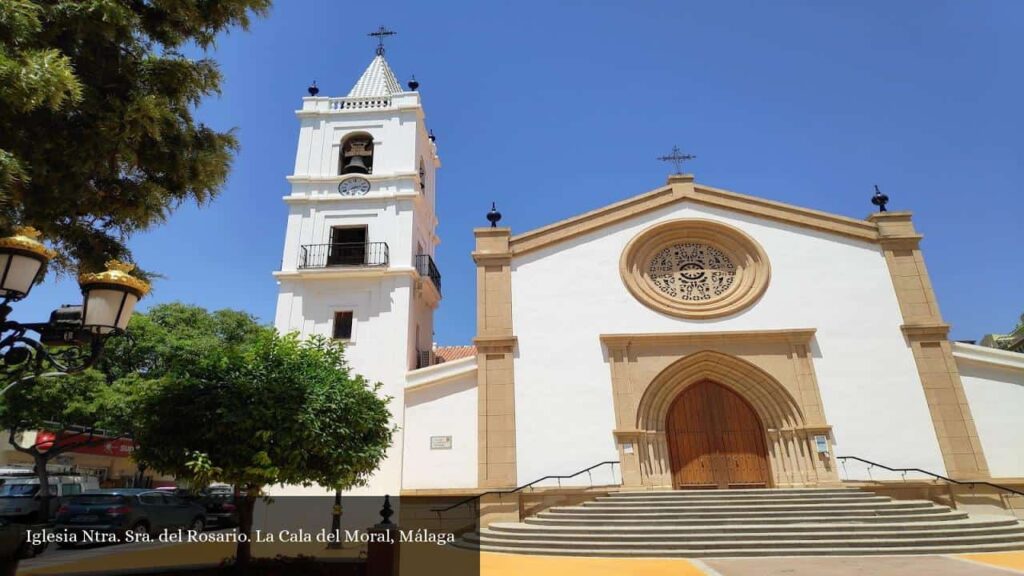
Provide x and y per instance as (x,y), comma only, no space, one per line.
(698,337)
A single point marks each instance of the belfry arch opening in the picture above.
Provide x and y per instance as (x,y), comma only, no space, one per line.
(356,154)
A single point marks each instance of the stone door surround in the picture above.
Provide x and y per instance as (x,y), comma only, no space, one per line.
(770,369)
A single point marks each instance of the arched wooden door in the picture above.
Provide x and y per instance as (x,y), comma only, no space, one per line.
(715,440)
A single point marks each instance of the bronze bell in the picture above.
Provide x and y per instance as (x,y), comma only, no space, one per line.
(356,152)
(355,165)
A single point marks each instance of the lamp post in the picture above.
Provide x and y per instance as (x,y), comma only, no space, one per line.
(73,338)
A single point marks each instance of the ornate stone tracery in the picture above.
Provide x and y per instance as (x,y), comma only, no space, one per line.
(695,268)
(692,271)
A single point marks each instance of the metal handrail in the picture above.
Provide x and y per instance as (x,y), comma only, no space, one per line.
(340,254)
(970,483)
(518,488)
(425,267)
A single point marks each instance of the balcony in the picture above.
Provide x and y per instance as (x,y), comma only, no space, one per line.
(426,268)
(351,254)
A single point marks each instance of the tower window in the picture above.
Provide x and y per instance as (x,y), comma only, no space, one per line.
(343,325)
(423,177)
(348,246)
(356,155)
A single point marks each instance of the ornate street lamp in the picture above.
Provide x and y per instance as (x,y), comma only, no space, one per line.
(110,298)
(73,339)
(22,258)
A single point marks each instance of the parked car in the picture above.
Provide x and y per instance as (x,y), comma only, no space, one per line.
(19,495)
(218,500)
(121,510)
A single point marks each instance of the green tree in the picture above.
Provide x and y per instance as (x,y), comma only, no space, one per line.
(72,407)
(267,411)
(96,101)
(165,337)
(174,335)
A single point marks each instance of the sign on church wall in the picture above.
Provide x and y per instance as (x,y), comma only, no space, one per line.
(440,442)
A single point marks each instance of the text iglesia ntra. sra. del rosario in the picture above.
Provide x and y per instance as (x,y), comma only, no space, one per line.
(300,535)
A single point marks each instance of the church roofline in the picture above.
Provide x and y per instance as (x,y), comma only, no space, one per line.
(683,189)
(988,356)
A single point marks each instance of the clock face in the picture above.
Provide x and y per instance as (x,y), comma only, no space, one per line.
(354,187)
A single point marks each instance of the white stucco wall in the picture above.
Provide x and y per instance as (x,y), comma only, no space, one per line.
(994,384)
(378,348)
(445,409)
(565,296)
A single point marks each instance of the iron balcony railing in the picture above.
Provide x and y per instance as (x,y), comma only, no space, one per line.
(426,267)
(345,254)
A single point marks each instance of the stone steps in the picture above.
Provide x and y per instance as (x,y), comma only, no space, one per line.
(996,523)
(752,552)
(751,522)
(604,502)
(770,493)
(500,531)
(742,507)
(765,542)
(732,520)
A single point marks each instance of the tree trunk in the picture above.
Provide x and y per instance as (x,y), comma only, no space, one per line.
(243,551)
(140,476)
(44,486)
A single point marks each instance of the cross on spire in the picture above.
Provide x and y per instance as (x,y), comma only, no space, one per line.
(677,158)
(380,33)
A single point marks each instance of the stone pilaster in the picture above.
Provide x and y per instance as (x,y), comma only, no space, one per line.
(495,345)
(927,334)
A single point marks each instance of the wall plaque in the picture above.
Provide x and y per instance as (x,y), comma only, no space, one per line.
(440,442)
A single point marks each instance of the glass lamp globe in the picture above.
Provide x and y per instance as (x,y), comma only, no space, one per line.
(22,257)
(110,297)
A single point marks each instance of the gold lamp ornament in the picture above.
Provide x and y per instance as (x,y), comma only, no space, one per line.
(22,257)
(110,297)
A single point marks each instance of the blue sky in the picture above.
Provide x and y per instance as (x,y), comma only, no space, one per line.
(554,108)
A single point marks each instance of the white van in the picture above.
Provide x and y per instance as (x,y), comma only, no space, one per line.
(19,495)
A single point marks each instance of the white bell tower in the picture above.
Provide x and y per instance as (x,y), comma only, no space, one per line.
(358,261)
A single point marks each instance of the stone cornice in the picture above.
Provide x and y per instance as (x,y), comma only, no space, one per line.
(589,221)
(439,373)
(988,356)
(339,272)
(682,189)
(492,344)
(336,178)
(793,336)
(926,331)
(491,257)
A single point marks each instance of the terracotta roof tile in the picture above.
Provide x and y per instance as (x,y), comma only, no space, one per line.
(449,353)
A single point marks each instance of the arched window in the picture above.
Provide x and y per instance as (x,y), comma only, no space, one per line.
(356,155)
(423,177)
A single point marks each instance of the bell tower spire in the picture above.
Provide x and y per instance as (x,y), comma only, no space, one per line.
(378,79)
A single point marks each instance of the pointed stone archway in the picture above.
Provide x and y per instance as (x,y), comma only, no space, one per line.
(649,372)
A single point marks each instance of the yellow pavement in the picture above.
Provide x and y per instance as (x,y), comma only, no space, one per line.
(1008,560)
(515,565)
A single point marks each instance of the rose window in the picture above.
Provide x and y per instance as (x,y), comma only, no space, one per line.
(692,272)
(695,268)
